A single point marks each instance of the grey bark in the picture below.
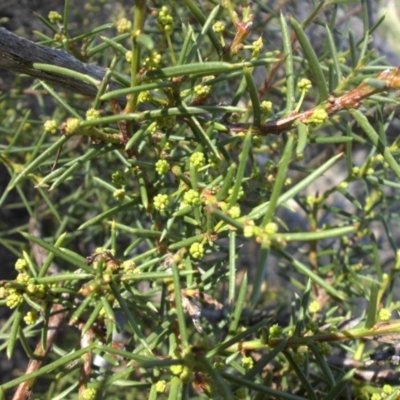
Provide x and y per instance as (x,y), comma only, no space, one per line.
(18,55)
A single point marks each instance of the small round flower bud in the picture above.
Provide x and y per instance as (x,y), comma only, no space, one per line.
(234,212)
(384,314)
(219,27)
(319,116)
(72,125)
(51,126)
(128,56)
(38,290)
(235,117)
(271,228)
(355,171)
(198,160)
(202,90)
(152,61)
(299,357)
(248,230)
(186,375)
(275,331)
(31,317)
(191,197)
(325,348)
(92,114)
(118,179)
(14,300)
(119,194)
(196,250)
(304,85)
(165,20)
(3,292)
(176,369)
(168,28)
(166,122)
(128,266)
(247,362)
(21,264)
(162,167)
(22,277)
(88,394)
(124,25)
(144,97)
(161,202)
(314,307)
(312,326)
(161,386)
(54,17)
(266,107)
(258,45)
(387,389)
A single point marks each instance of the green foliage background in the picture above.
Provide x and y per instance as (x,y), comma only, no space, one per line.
(188,222)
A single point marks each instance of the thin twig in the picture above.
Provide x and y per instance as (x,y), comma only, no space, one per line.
(389,80)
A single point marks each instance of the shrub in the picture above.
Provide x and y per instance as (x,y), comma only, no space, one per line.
(160,209)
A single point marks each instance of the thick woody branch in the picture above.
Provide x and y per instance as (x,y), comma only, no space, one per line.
(19,55)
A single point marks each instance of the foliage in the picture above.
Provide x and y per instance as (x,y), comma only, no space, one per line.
(158,211)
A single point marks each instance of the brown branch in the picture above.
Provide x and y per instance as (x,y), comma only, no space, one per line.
(86,369)
(389,80)
(56,321)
